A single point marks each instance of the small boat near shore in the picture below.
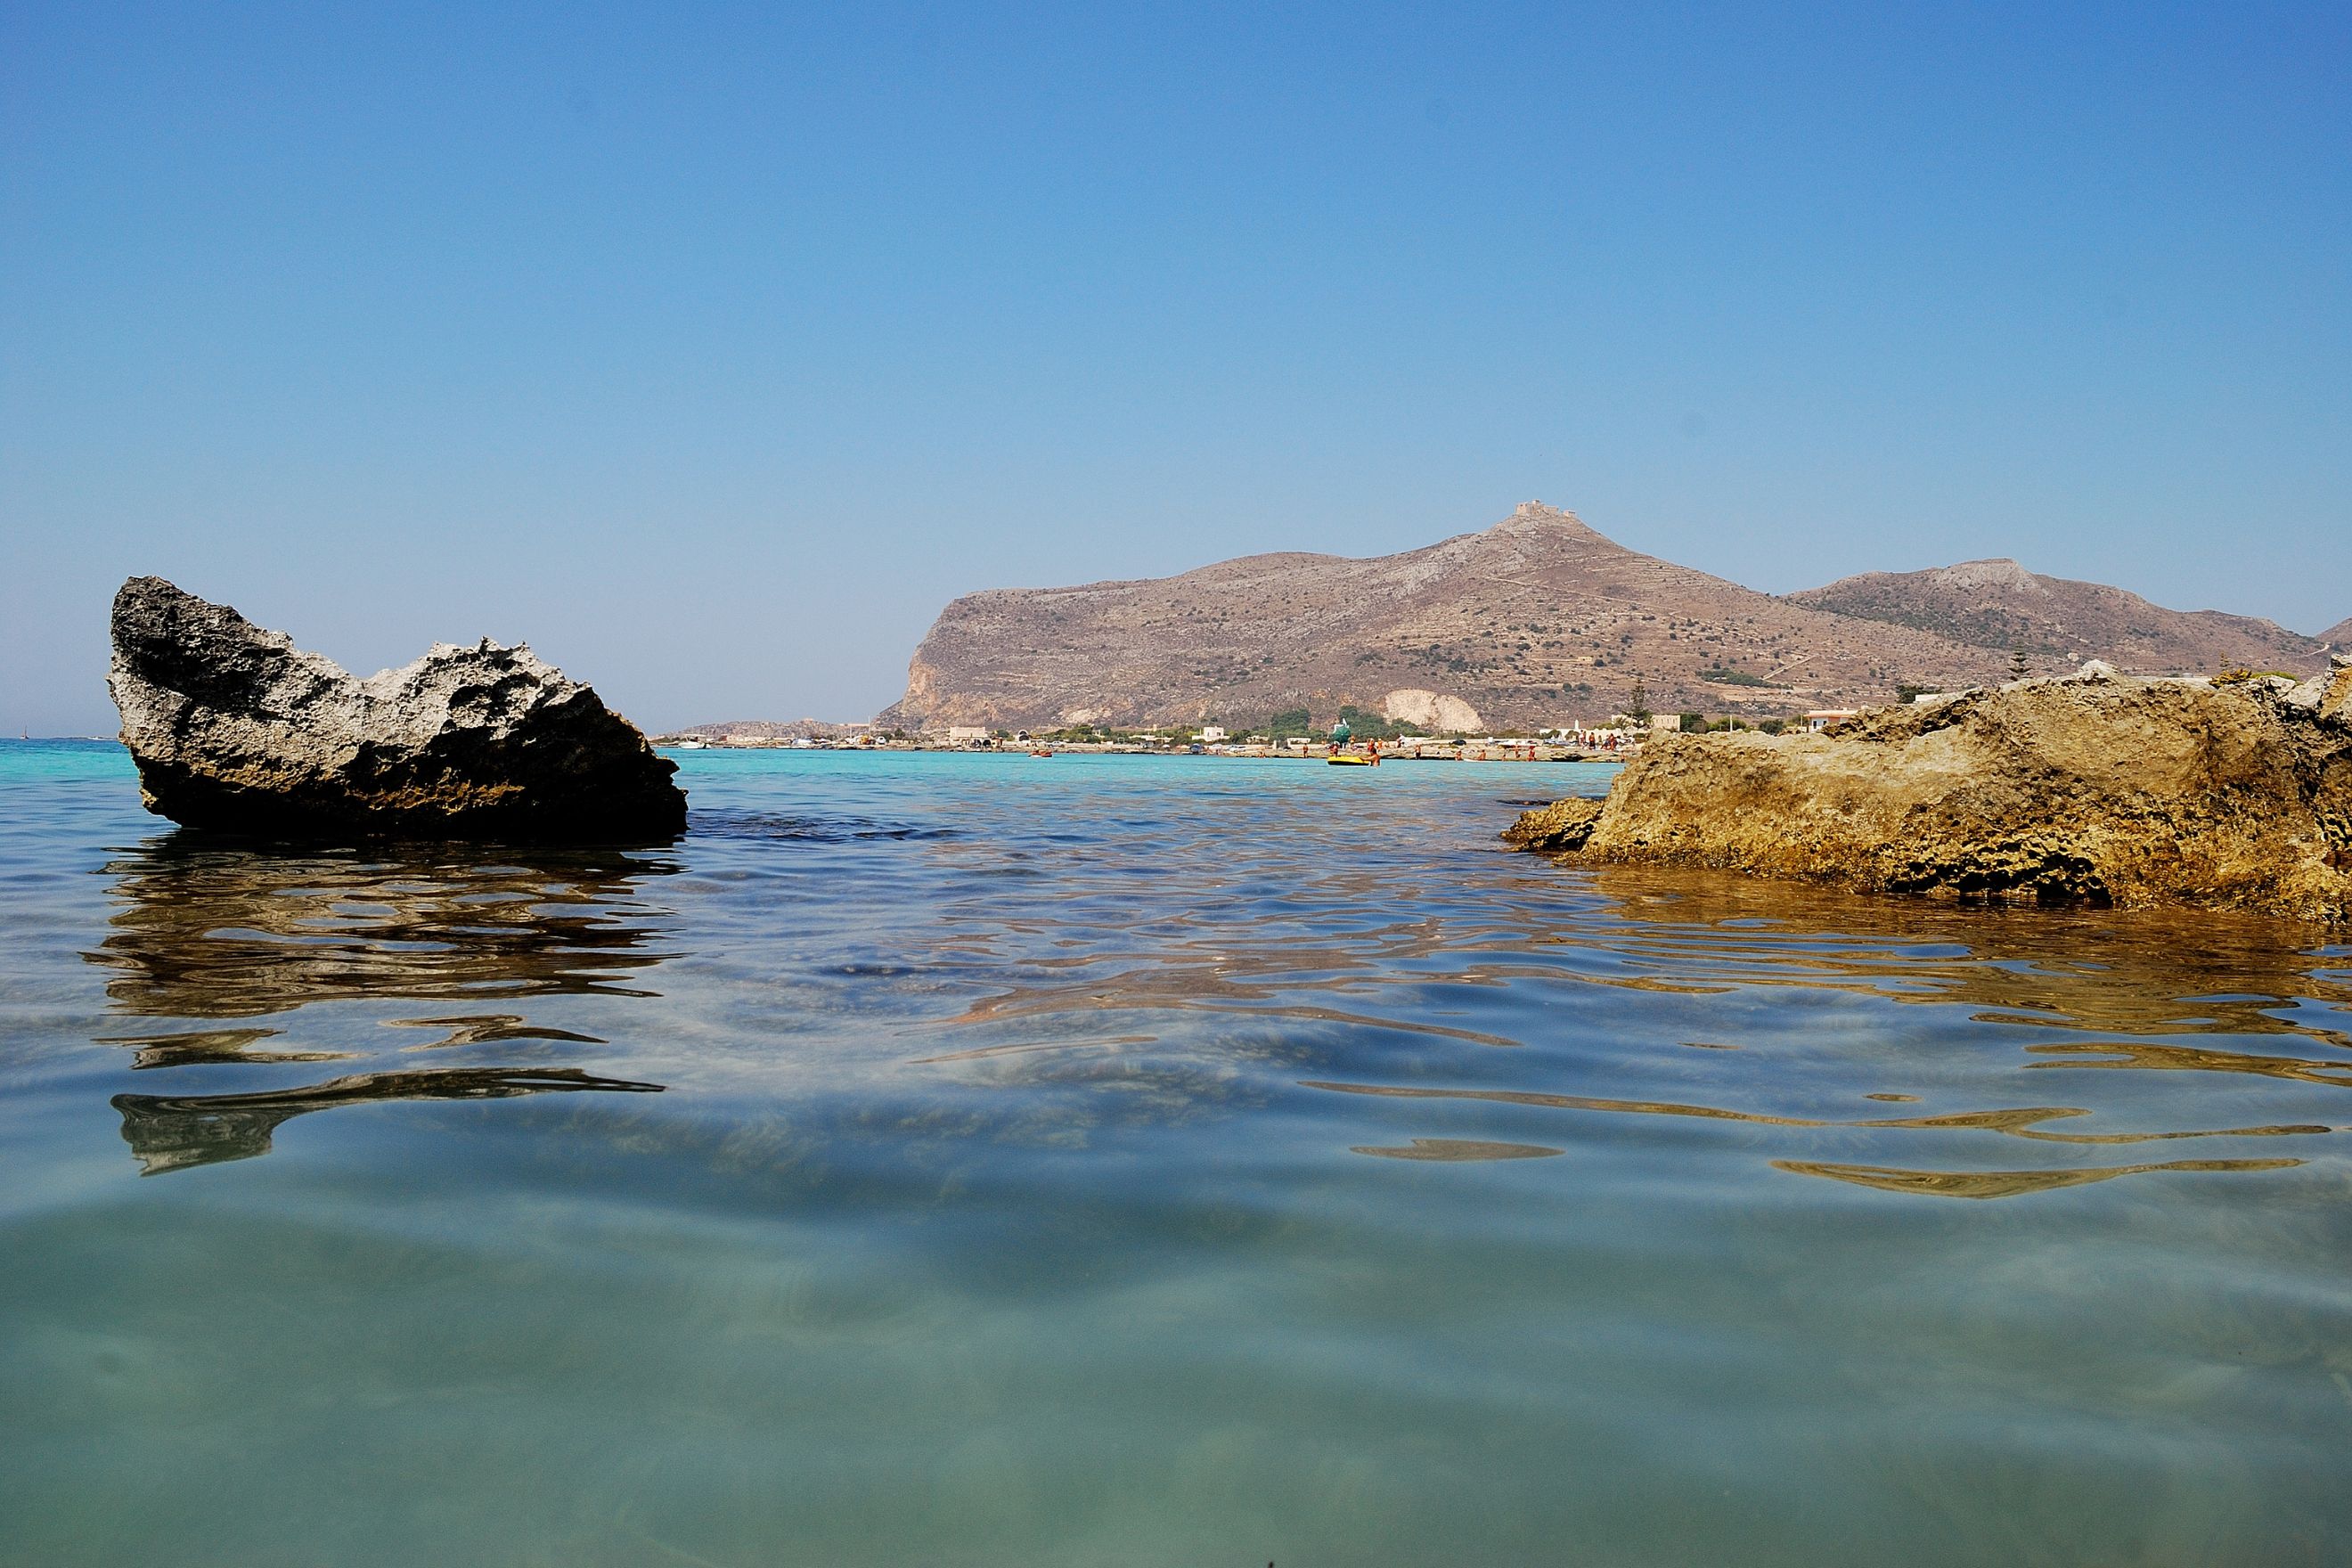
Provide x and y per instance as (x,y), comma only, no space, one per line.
(1341,760)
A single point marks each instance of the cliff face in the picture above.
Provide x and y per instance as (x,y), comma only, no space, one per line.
(2000,605)
(1535,620)
(2101,787)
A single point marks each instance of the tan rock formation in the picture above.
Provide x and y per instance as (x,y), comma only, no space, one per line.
(1430,711)
(2100,787)
(2331,694)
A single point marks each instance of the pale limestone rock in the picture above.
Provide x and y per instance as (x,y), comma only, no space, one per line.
(1430,711)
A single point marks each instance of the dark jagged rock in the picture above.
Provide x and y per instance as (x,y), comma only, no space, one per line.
(1563,825)
(234,727)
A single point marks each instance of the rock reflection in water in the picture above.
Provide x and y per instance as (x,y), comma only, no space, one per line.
(484,1028)
(2017,1123)
(1457,1150)
(200,1047)
(2005,1183)
(2148,1053)
(1674,934)
(210,929)
(2023,1122)
(172,1132)
(216,931)
(2073,969)
(1352,950)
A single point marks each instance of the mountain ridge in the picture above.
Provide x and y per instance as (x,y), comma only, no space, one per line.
(1539,618)
(1999,603)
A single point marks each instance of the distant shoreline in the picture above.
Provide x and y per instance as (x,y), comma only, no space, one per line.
(1432,752)
(1320,752)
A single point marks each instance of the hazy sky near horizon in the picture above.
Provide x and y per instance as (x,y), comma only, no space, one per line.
(711,349)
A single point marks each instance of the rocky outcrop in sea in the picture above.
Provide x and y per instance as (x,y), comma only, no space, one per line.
(234,728)
(2094,787)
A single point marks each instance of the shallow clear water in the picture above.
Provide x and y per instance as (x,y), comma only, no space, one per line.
(974,1160)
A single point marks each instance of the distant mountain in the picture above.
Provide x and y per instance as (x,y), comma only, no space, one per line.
(763,730)
(2000,605)
(2338,637)
(1538,620)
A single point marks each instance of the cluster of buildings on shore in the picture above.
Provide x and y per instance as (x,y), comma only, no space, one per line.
(1620,737)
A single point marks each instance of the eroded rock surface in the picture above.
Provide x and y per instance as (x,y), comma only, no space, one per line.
(1563,824)
(2097,787)
(234,727)
(1432,711)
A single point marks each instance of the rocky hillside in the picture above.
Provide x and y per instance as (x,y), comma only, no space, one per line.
(2338,637)
(1538,620)
(2000,605)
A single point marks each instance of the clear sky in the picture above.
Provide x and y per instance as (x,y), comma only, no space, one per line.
(712,349)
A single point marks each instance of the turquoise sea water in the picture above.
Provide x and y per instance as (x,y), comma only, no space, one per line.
(937,1159)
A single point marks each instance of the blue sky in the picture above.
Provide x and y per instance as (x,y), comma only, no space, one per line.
(712,349)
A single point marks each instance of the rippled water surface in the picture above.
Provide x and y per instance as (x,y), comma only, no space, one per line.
(1133,1160)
